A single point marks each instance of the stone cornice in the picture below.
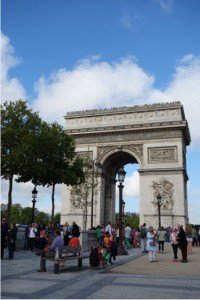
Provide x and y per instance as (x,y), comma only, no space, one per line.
(122,129)
(124,109)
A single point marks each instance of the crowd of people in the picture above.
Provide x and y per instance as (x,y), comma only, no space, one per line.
(152,241)
(47,238)
(38,237)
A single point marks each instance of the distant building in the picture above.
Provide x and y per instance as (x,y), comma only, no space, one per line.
(4,207)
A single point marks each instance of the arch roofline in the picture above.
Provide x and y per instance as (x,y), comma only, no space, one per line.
(135,108)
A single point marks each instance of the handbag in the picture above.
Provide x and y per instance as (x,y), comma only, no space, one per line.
(153,243)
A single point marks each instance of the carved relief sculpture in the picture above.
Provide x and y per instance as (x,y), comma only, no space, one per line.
(163,154)
(165,189)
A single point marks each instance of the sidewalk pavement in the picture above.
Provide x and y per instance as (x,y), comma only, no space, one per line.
(164,265)
(130,277)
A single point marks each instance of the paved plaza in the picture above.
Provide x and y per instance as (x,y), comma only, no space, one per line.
(130,277)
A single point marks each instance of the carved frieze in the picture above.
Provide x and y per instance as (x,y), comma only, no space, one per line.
(165,189)
(162,154)
(126,136)
(124,119)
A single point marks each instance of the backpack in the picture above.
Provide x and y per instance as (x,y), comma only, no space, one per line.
(94,258)
(143,233)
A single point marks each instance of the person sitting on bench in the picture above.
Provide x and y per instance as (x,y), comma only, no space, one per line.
(57,242)
(74,242)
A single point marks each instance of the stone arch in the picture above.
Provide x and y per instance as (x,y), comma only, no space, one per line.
(111,162)
(156,137)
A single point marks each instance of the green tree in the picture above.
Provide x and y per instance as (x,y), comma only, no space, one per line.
(26,215)
(42,218)
(15,215)
(129,218)
(20,127)
(57,218)
(57,162)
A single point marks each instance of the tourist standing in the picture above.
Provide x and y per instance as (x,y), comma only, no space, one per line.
(4,233)
(174,243)
(32,233)
(161,238)
(143,238)
(188,231)
(151,244)
(109,228)
(11,242)
(182,243)
(127,235)
(75,229)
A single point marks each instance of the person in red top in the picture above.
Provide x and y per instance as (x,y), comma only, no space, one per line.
(74,242)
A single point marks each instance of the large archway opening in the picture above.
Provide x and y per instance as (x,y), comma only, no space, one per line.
(111,165)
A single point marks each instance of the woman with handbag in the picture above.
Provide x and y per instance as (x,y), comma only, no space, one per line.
(152,247)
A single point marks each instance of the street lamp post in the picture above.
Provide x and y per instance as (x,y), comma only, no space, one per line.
(34,196)
(159,205)
(120,247)
(123,216)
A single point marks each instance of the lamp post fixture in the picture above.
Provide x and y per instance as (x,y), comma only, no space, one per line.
(34,196)
(120,247)
(123,216)
(159,197)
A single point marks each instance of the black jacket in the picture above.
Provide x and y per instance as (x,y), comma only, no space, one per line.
(182,240)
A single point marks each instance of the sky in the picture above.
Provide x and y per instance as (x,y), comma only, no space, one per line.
(66,55)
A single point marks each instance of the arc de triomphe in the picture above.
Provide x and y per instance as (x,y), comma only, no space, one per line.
(153,136)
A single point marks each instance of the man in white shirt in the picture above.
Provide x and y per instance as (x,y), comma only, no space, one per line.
(127,233)
(109,228)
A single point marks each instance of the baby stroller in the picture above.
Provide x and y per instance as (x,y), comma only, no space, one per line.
(96,258)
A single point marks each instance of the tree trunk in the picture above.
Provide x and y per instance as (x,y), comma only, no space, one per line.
(53,203)
(9,198)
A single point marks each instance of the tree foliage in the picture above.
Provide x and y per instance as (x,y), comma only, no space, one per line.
(56,162)
(129,218)
(33,150)
(19,130)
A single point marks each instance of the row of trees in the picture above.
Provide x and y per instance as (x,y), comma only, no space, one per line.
(132,219)
(24,216)
(36,151)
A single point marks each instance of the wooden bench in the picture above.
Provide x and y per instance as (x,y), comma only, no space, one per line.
(66,253)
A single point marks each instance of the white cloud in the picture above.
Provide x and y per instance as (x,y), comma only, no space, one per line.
(98,84)
(126,21)
(185,87)
(11,88)
(22,193)
(165,5)
(131,185)
(91,84)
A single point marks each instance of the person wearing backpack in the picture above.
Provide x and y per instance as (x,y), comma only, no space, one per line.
(143,238)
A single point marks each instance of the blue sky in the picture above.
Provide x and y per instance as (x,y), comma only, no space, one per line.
(65,55)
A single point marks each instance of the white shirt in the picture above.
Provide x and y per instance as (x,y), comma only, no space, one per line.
(127,232)
(32,232)
(108,228)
